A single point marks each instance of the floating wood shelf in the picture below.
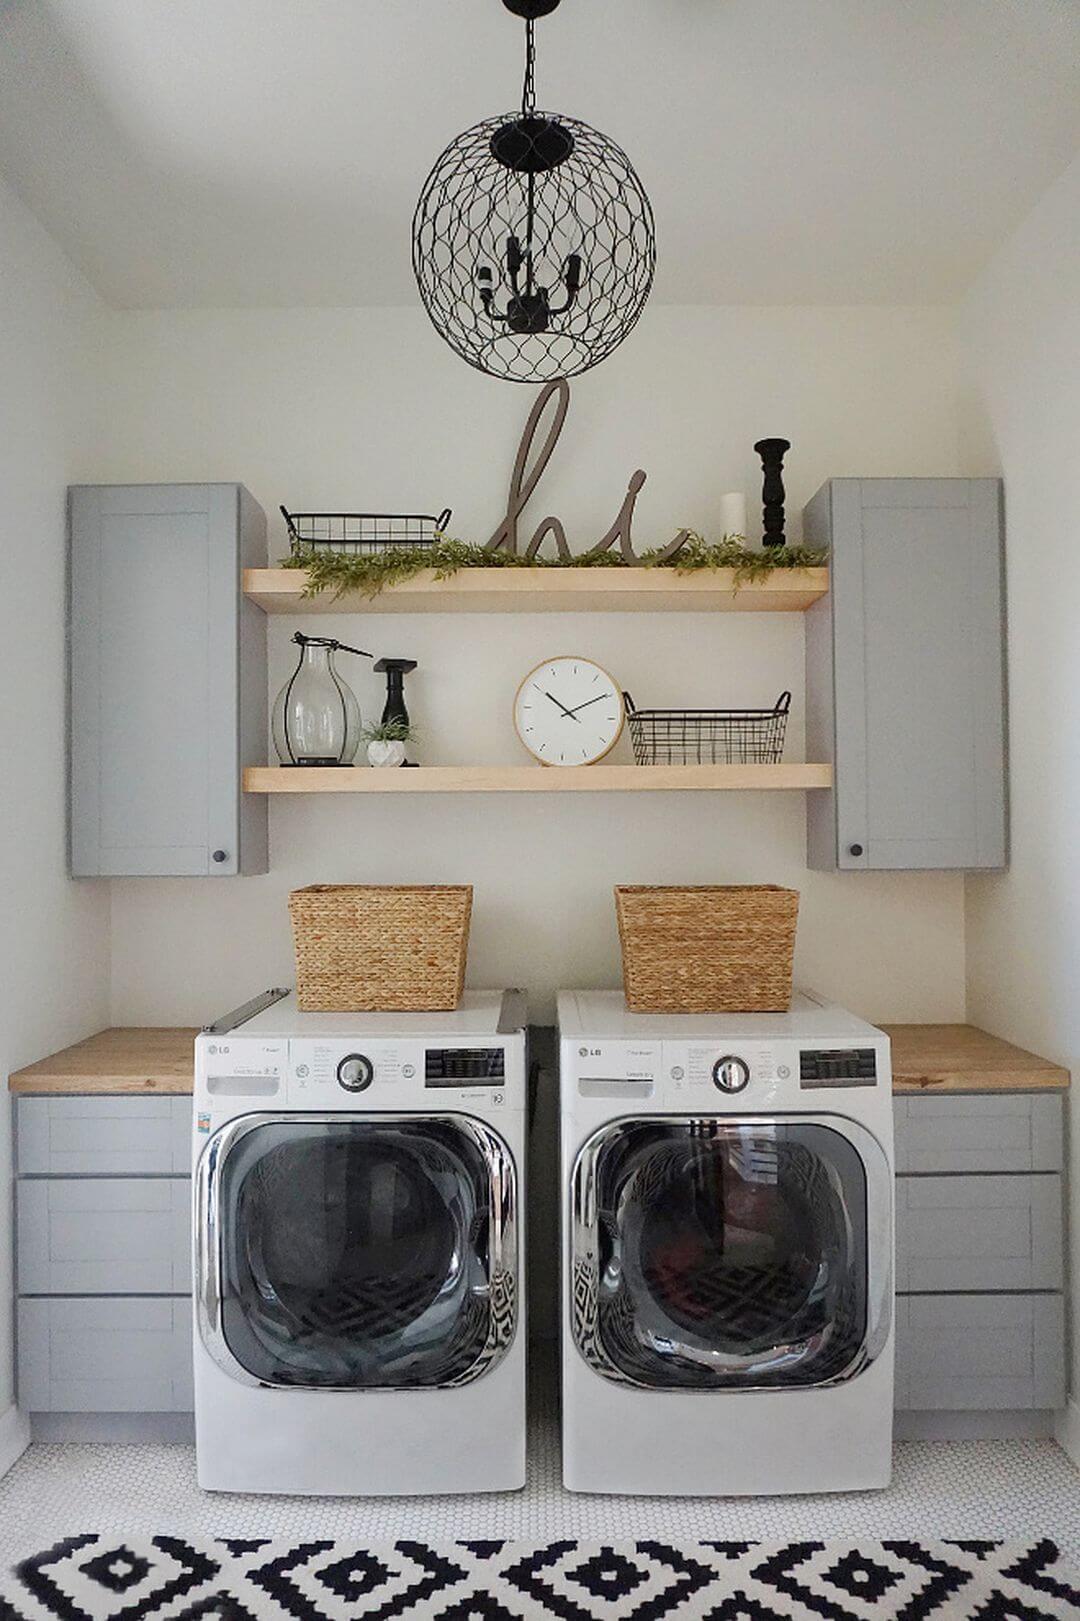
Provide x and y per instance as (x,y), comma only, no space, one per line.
(530,779)
(545,590)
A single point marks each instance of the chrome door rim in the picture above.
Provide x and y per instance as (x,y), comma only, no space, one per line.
(503,1270)
(584,1256)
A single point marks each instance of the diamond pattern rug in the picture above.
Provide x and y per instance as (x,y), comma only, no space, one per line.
(169,1578)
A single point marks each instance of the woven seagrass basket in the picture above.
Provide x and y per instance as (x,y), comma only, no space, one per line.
(363,948)
(707,949)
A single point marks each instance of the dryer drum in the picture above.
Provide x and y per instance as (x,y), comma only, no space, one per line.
(733,1258)
(355,1254)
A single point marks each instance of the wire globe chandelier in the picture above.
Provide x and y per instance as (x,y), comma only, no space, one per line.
(533,241)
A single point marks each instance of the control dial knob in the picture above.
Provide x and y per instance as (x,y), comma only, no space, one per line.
(731,1074)
(355,1073)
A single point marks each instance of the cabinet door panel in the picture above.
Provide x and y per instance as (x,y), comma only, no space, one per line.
(981,1353)
(104,1236)
(978,1232)
(105,1356)
(908,655)
(103,1136)
(988,1132)
(154,681)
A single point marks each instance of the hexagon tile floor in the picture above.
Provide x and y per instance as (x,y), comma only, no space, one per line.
(994,1489)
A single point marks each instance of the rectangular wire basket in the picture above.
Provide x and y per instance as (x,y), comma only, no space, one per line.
(359,534)
(708,736)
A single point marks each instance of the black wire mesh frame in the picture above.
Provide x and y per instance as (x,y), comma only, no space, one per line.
(360,534)
(592,204)
(708,736)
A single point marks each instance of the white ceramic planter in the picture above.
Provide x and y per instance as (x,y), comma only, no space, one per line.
(388,752)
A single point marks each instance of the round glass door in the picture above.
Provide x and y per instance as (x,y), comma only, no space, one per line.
(721,1254)
(365,1253)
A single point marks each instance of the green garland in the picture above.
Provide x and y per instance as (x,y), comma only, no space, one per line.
(368,574)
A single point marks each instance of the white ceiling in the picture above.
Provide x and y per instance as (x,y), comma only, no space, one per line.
(269,152)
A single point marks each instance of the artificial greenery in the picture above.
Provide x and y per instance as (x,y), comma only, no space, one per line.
(394,730)
(367,574)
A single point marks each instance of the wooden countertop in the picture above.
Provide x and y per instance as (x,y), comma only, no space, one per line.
(926,1058)
(962,1058)
(136,1060)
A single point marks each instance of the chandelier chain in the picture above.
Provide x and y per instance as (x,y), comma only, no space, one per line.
(528,91)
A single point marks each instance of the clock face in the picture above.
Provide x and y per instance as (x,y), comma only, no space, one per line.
(568,711)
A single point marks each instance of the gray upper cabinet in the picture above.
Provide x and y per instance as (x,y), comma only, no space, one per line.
(168,681)
(905,675)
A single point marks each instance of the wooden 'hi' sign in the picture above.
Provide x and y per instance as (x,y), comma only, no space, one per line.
(524,479)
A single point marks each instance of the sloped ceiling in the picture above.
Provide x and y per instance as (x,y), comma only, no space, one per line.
(269,152)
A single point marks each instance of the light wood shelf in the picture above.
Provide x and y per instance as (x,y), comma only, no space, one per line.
(531,779)
(543,590)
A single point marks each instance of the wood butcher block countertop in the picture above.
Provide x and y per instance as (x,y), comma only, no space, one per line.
(926,1058)
(962,1058)
(116,1061)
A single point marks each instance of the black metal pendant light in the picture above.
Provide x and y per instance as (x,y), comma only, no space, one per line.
(533,241)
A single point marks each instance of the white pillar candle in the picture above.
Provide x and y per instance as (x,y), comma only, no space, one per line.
(733,513)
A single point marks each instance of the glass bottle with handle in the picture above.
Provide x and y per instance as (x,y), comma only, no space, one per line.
(316,718)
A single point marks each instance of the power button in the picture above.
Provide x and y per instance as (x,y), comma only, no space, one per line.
(731,1074)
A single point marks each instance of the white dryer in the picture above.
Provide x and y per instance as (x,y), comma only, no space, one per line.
(359,1290)
(727,1250)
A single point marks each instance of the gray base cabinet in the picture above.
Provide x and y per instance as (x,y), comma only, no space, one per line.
(168,681)
(103,1267)
(905,675)
(980,1312)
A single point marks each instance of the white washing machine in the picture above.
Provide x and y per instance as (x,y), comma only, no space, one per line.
(727,1250)
(359,1289)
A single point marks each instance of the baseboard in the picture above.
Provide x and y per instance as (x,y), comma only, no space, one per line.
(14,1437)
(1067,1430)
(1007,1425)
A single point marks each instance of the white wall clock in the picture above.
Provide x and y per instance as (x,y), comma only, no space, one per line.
(569,711)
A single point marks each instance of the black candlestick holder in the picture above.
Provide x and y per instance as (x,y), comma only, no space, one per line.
(772,453)
(395,671)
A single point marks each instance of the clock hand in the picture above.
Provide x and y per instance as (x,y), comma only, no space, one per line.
(563,707)
(589,701)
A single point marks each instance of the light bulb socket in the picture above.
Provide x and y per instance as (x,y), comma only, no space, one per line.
(531,9)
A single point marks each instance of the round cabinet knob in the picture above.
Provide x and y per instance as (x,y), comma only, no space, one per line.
(731,1074)
(855,850)
(221,855)
(355,1073)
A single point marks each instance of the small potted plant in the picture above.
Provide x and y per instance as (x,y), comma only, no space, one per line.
(386,741)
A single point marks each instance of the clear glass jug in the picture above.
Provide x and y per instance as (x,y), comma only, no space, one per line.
(316,718)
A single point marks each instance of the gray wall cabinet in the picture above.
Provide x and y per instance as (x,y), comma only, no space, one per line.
(103,1262)
(168,681)
(980,1243)
(905,675)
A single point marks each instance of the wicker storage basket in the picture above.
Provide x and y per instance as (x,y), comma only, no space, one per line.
(707,949)
(362,948)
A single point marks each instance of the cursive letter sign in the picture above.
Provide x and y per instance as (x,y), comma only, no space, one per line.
(522,485)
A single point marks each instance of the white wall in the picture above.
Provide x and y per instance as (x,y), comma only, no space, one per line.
(1020,329)
(54,943)
(368,409)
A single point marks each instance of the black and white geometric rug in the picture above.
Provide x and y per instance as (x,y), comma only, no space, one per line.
(168,1578)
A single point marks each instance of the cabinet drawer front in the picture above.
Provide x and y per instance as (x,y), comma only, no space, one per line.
(979,1353)
(105,1356)
(104,1236)
(1013,1131)
(978,1232)
(103,1136)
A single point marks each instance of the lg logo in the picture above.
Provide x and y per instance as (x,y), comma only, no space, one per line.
(588,1052)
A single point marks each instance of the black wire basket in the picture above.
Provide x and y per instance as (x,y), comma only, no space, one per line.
(362,534)
(708,736)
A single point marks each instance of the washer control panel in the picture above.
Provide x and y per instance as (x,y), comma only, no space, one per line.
(334,1073)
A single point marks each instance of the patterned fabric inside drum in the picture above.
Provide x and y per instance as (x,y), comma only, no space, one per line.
(363,948)
(708,948)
